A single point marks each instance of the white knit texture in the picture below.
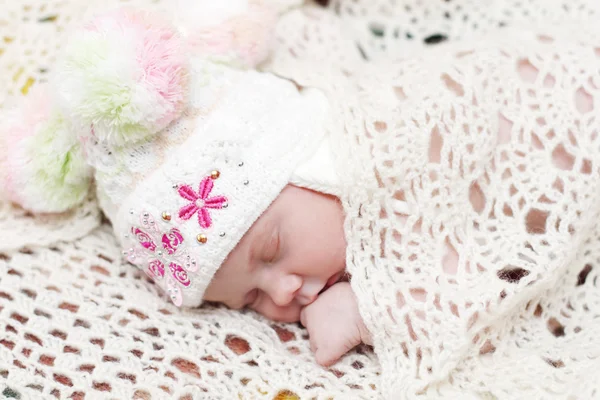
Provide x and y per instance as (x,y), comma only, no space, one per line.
(76,322)
(473,193)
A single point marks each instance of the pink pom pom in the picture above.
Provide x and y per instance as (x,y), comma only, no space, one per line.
(19,126)
(126,74)
(244,40)
(41,166)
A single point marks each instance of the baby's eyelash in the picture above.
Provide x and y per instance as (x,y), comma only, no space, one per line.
(272,250)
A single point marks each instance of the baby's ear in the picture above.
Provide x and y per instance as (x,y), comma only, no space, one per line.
(238,33)
(42,166)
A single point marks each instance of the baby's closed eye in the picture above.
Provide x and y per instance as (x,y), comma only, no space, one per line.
(271,249)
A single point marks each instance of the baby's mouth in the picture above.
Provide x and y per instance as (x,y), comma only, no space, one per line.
(332,281)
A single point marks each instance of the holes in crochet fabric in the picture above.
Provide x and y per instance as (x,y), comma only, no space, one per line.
(562,159)
(81,323)
(584,102)
(555,363)
(581,278)
(450,259)
(535,221)
(100,270)
(527,71)
(20,318)
(98,342)
(380,126)
(70,349)
(102,386)
(453,85)
(283,334)
(236,344)
(555,327)
(4,295)
(476,197)
(33,338)
(63,380)
(68,306)
(128,377)
(435,38)
(47,360)
(435,146)
(141,395)
(187,367)
(418,294)
(286,395)
(504,129)
(549,82)
(58,334)
(138,314)
(29,293)
(399,92)
(512,274)
(7,343)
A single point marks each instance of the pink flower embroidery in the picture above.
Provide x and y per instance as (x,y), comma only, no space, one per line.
(180,263)
(172,240)
(144,239)
(156,269)
(200,202)
(179,274)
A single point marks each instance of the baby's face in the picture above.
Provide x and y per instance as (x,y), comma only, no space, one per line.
(294,251)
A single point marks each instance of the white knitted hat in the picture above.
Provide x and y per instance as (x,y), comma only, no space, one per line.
(187,147)
(246,136)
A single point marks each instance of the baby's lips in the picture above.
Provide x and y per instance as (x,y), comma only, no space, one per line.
(334,279)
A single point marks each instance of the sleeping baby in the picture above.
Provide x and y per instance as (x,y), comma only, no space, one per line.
(210,173)
(223,185)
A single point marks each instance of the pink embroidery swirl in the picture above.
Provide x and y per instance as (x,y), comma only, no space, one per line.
(179,274)
(172,240)
(156,269)
(144,239)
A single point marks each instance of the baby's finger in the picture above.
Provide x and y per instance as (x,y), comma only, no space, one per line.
(327,356)
(303,317)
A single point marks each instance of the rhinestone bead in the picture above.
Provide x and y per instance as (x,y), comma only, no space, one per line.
(241,164)
(225,205)
(222,234)
(246,182)
(215,174)
(201,238)
(166,216)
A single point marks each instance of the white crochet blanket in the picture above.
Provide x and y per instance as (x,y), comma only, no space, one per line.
(473,171)
(76,322)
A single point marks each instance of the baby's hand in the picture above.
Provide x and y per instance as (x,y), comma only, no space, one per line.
(334,324)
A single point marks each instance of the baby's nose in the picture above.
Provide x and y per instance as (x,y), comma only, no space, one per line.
(285,289)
